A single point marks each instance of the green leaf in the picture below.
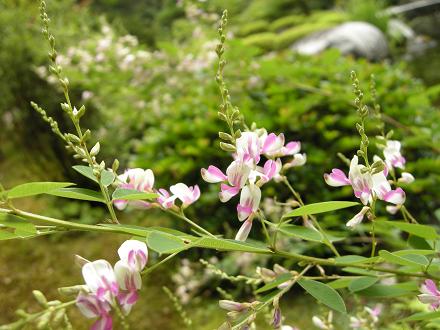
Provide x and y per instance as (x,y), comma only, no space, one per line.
(129,194)
(340,283)
(164,243)
(387,291)
(6,234)
(78,193)
(422,316)
(21,227)
(35,188)
(423,231)
(395,259)
(414,251)
(319,208)
(273,284)
(229,245)
(107,178)
(86,171)
(325,294)
(362,283)
(302,232)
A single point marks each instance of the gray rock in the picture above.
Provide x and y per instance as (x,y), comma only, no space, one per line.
(357,38)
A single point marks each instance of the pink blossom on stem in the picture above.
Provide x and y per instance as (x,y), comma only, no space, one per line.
(165,199)
(244,231)
(249,201)
(134,253)
(406,178)
(129,280)
(91,307)
(100,279)
(430,294)
(357,219)
(393,157)
(135,179)
(187,195)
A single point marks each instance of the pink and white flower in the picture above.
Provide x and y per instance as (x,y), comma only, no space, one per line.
(366,186)
(187,195)
(248,147)
(249,201)
(129,281)
(430,294)
(91,307)
(134,253)
(244,231)
(357,219)
(135,179)
(165,199)
(100,279)
(393,157)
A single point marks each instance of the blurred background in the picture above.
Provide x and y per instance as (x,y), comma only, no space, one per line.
(145,70)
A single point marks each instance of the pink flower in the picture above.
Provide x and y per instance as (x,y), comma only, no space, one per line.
(248,147)
(100,279)
(134,253)
(430,294)
(249,201)
(393,157)
(165,199)
(273,146)
(187,195)
(406,178)
(91,307)
(365,185)
(135,179)
(129,280)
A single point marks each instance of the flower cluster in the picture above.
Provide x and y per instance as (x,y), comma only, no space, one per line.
(367,319)
(108,286)
(143,181)
(246,176)
(371,183)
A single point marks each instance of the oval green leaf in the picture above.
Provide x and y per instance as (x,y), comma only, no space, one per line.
(164,243)
(35,188)
(229,245)
(319,208)
(362,283)
(85,171)
(423,231)
(395,259)
(324,294)
(78,193)
(302,232)
(107,178)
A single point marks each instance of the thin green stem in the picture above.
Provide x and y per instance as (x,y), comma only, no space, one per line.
(182,216)
(314,221)
(266,233)
(150,269)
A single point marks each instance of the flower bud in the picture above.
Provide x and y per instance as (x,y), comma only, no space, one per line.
(406,178)
(276,318)
(39,296)
(80,261)
(95,150)
(72,290)
(232,305)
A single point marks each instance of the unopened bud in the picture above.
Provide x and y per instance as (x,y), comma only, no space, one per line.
(95,150)
(115,165)
(227,147)
(278,269)
(276,318)
(230,305)
(43,321)
(39,296)
(72,290)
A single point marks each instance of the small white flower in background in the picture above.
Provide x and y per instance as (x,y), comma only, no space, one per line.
(406,178)
(393,157)
(357,219)
(100,279)
(319,323)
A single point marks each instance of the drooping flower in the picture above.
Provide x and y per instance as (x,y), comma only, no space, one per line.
(249,201)
(134,253)
(374,312)
(187,195)
(129,281)
(357,219)
(92,307)
(135,179)
(393,157)
(244,231)
(100,279)
(430,294)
